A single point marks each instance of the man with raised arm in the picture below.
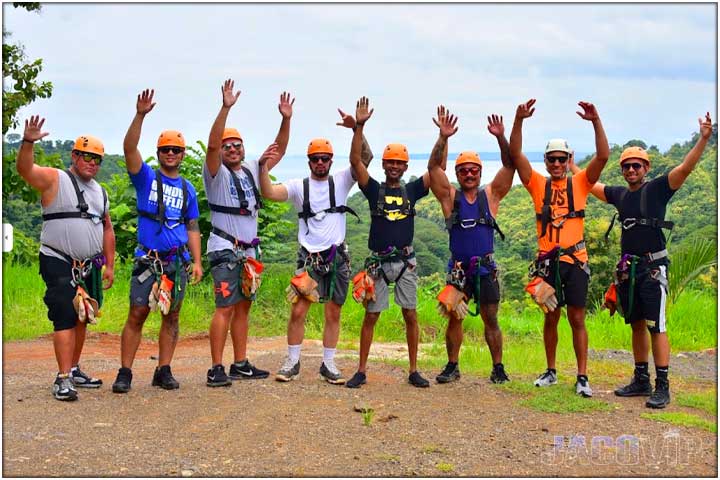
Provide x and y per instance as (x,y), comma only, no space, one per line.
(167,225)
(233,246)
(77,238)
(470,218)
(642,277)
(560,272)
(392,259)
(323,262)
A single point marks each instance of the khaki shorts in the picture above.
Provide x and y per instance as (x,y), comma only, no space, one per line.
(405,285)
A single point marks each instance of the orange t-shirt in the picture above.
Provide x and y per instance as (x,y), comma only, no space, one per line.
(571,231)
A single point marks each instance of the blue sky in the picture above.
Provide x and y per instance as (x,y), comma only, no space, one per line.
(649,68)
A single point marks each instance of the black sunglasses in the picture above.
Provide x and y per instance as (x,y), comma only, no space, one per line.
(320,159)
(174,150)
(634,166)
(556,159)
(90,157)
(235,145)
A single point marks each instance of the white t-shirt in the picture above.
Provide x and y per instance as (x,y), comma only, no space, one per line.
(220,190)
(325,229)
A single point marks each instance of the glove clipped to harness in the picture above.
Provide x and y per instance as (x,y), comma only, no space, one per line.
(161,295)
(302,285)
(251,276)
(86,307)
(611,299)
(363,288)
(543,294)
(451,301)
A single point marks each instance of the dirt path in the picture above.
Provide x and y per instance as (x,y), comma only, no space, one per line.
(310,428)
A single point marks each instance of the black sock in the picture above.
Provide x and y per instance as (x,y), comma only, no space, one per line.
(582,377)
(642,368)
(453,364)
(552,370)
(662,372)
(498,365)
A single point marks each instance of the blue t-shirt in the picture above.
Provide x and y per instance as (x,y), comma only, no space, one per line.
(172,234)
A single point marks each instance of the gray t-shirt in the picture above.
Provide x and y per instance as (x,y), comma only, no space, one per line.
(80,238)
(220,190)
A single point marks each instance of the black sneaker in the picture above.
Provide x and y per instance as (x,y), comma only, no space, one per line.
(358,379)
(83,380)
(216,377)
(660,398)
(123,381)
(163,378)
(64,389)
(450,373)
(331,375)
(417,380)
(498,374)
(288,371)
(246,371)
(639,386)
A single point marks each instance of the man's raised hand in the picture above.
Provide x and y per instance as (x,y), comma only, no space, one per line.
(526,110)
(270,153)
(145,101)
(229,98)
(33,129)
(347,120)
(446,122)
(286,105)
(362,114)
(589,111)
(495,125)
(705,126)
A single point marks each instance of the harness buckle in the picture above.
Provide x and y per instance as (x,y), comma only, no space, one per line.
(468,223)
(629,223)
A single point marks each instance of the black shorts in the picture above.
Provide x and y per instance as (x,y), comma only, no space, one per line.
(649,298)
(489,289)
(59,294)
(574,283)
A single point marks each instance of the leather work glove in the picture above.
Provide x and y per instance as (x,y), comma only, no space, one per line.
(363,288)
(543,294)
(85,306)
(153,297)
(164,300)
(611,299)
(452,301)
(304,286)
(251,276)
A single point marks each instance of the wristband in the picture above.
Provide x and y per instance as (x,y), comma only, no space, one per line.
(360,124)
(28,141)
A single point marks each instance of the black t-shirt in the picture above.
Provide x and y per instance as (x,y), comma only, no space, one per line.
(640,239)
(394,228)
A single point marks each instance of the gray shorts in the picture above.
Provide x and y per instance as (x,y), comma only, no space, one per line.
(227,275)
(142,281)
(405,286)
(342,275)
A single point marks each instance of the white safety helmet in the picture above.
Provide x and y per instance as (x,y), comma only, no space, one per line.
(558,145)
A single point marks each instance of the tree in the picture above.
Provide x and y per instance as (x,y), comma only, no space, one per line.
(20,84)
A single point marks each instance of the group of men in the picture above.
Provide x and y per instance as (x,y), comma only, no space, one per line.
(78,245)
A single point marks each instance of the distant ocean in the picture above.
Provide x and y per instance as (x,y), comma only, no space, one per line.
(295,166)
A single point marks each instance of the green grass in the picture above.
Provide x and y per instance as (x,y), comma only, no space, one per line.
(682,419)
(562,399)
(445,467)
(705,401)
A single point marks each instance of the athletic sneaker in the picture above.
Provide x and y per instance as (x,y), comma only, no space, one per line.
(83,380)
(64,389)
(546,379)
(216,377)
(123,381)
(288,371)
(331,374)
(246,371)
(498,374)
(450,373)
(163,378)
(660,398)
(582,388)
(639,386)
(358,379)
(417,380)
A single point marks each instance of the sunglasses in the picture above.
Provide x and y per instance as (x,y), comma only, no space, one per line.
(552,160)
(320,159)
(634,166)
(468,170)
(175,150)
(235,145)
(90,157)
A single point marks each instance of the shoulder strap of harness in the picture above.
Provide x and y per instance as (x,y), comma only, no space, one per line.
(243,208)
(381,205)
(483,216)
(160,215)
(331,192)
(628,223)
(545,215)
(256,192)
(82,206)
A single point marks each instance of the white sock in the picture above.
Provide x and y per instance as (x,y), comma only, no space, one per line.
(329,357)
(294,352)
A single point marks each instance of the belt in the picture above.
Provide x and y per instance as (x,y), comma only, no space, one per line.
(237,243)
(165,253)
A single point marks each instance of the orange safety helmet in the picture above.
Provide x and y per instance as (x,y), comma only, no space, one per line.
(634,152)
(468,157)
(396,151)
(90,144)
(319,145)
(231,133)
(171,138)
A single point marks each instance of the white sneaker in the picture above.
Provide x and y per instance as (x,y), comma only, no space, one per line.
(547,378)
(582,388)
